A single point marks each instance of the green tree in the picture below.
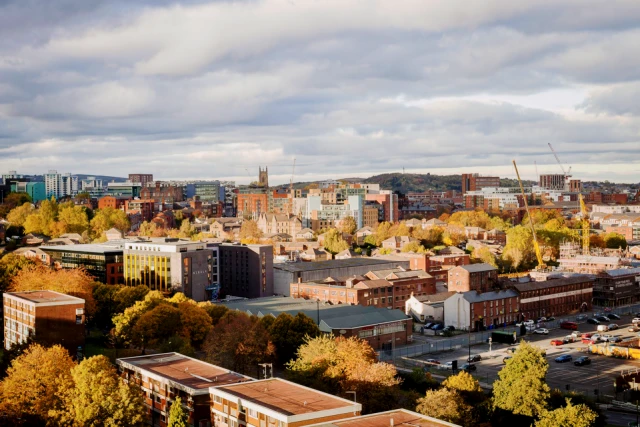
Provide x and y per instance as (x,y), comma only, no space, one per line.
(348,225)
(521,387)
(333,241)
(568,416)
(18,215)
(99,397)
(288,333)
(215,311)
(156,325)
(104,296)
(414,247)
(35,381)
(519,248)
(178,417)
(126,296)
(445,404)
(614,241)
(108,218)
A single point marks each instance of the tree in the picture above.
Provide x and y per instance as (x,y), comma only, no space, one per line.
(462,382)
(333,241)
(186,230)
(215,311)
(521,387)
(34,382)
(156,325)
(348,225)
(614,241)
(178,417)
(288,333)
(76,282)
(104,296)
(429,237)
(108,218)
(519,248)
(18,216)
(72,219)
(484,254)
(402,230)
(42,221)
(383,232)
(568,416)
(10,266)
(123,323)
(414,247)
(99,397)
(250,230)
(195,323)
(445,404)
(126,296)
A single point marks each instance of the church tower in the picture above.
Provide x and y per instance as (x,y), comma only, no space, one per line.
(263,176)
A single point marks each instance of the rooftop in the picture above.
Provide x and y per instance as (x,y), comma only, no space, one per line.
(46,297)
(88,248)
(191,375)
(396,417)
(476,268)
(474,296)
(323,265)
(439,297)
(622,272)
(532,286)
(286,397)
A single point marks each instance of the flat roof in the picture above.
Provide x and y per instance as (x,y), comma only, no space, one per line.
(324,265)
(285,397)
(195,376)
(88,248)
(532,286)
(45,296)
(396,417)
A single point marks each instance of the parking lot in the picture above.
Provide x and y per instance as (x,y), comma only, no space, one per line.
(600,374)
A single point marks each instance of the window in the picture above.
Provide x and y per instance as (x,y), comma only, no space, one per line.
(253,413)
(217,399)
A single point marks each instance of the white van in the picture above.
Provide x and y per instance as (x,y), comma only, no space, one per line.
(603,328)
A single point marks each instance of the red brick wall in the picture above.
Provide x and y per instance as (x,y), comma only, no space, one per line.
(57,325)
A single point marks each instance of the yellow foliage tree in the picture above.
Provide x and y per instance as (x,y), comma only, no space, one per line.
(18,216)
(445,404)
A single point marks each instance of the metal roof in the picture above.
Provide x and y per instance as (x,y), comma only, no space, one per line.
(475,268)
(474,296)
(89,248)
(532,286)
(622,272)
(324,265)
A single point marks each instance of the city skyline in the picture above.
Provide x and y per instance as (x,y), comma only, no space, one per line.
(211,89)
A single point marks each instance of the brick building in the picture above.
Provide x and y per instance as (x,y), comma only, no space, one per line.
(479,310)
(389,202)
(142,178)
(614,288)
(115,202)
(50,317)
(393,418)
(163,192)
(163,377)
(473,277)
(555,297)
(251,205)
(474,182)
(276,402)
(145,207)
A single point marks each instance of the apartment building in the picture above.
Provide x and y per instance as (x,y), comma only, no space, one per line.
(275,402)
(474,181)
(555,297)
(614,288)
(319,215)
(114,202)
(144,207)
(142,178)
(168,264)
(60,185)
(390,211)
(473,277)
(50,317)
(164,377)
(245,270)
(554,181)
(103,262)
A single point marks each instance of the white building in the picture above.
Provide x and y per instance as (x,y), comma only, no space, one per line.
(424,308)
(60,185)
(616,209)
(317,211)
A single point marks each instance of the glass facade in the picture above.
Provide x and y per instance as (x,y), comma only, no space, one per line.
(153,271)
(95,264)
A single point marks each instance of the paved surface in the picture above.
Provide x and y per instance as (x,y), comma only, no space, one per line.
(621,419)
(599,375)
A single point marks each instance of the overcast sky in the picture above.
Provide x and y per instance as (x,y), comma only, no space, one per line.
(198,89)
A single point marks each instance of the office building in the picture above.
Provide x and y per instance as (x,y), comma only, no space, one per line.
(245,270)
(124,189)
(142,178)
(103,262)
(205,191)
(276,402)
(167,265)
(474,181)
(615,288)
(164,377)
(50,317)
(36,190)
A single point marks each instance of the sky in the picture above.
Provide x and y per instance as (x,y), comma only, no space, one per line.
(349,88)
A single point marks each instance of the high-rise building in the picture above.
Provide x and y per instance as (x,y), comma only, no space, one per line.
(206,191)
(142,178)
(245,270)
(474,181)
(553,181)
(60,185)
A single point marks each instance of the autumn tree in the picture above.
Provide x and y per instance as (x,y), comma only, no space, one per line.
(195,323)
(108,218)
(215,311)
(18,215)
(178,417)
(250,230)
(10,266)
(12,201)
(401,230)
(99,397)
(484,255)
(186,230)
(429,237)
(414,247)
(42,220)
(239,342)
(568,416)
(34,383)
(521,387)
(71,219)
(519,248)
(288,333)
(76,282)
(445,404)
(333,241)
(348,225)
(124,322)
(383,232)
(155,325)
(453,237)
(462,382)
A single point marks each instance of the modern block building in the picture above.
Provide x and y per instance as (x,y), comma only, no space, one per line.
(276,402)
(474,181)
(206,191)
(473,277)
(286,273)
(245,270)
(103,262)
(142,178)
(36,190)
(167,264)
(164,377)
(555,297)
(126,189)
(614,288)
(114,202)
(60,185)
(50,317)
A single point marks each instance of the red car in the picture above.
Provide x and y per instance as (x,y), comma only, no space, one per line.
(557,342)
(586,340)
(586,335)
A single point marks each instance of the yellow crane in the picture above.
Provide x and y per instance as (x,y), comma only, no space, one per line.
(541,264)
(585,227)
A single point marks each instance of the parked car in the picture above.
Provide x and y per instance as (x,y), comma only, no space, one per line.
(613,326)
(450,328)
(635,320)
(596,321)
(469,367)
(603,328)
(586,335)
(504,360)
(557,342)
(542,319)
(581,317)
(568,339)
(428,325)
(606,337)
(432,361)
(551,319)
(634,328)
(541,331)
(563,358)
(448,365)
(586,341)
(596,337)
(474,358)
(582,360)
(616,339)
(603,319)
(613,316)
(437,327)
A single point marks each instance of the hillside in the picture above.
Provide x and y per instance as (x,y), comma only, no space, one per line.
(411,182)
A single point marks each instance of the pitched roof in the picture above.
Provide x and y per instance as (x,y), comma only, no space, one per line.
(439,297)
(474,296)
(532,286)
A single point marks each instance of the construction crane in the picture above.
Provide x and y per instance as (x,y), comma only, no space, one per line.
(291,193)
(585,227)
(558,160)
(541,264)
